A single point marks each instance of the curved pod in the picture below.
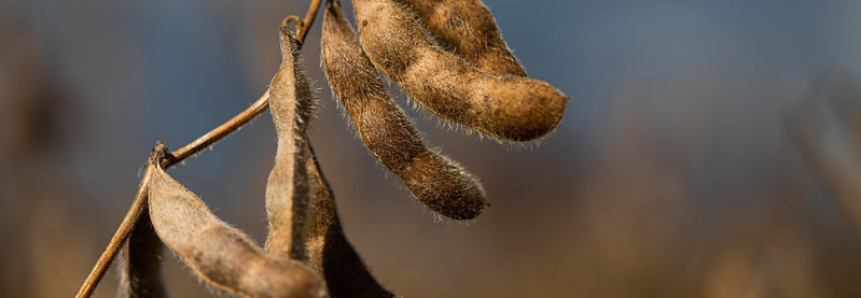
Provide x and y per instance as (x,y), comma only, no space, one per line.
(437,181)
(467,29)
(510,108)
(222,256)
(287,189)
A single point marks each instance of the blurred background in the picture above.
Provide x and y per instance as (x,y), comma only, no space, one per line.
(709,149)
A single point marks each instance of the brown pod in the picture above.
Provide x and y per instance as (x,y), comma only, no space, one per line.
(220,255)
(510,108)
(327,249)
(141,262)
(467,29)
(287,189)
(437,181)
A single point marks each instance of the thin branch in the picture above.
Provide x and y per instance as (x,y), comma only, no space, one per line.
(309,20)
(177,156)
(246,116)
(117,240)
(219,132)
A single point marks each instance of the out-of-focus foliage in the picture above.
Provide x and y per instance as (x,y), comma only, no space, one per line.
(676,172)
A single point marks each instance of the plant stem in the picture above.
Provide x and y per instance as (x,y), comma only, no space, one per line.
(309,20)
(239,120)
(218,133)
(119,237)
(175,157)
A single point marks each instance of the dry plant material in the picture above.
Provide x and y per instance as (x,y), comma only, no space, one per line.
(125,229)
(327,249)
(467,29)
(141,262)
(472,79)
(509,108)
(437,181)
(287,189)
(321,243)
(220,255)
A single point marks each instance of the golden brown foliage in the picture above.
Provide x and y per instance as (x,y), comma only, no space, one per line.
(437,181)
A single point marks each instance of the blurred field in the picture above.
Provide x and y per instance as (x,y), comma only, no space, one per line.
(708,150)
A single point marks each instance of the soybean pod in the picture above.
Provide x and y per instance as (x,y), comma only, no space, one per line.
(327,249)
(509,108)
(467,29)
(222,256)
(435,180)
(287,189)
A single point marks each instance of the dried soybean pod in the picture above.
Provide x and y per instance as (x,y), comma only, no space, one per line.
(437,181)
(287,189)
(220,255)
(467,29)
(328,250)
(141,262)
(510,108)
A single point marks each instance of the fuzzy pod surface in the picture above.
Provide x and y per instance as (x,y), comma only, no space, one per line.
(508,108)
(287,189)
(435,180)
(220,255)
(467,29)
(327,249)
(141,262)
